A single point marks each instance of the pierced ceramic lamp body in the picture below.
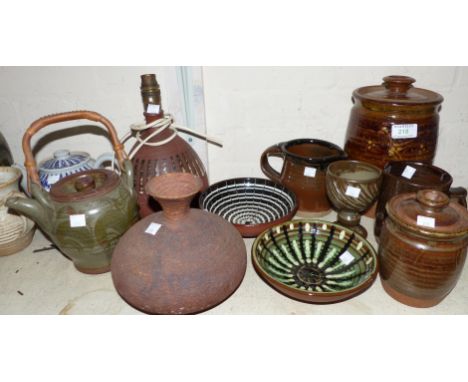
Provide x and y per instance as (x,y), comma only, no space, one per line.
(352,187)
(174,156)
(180,260)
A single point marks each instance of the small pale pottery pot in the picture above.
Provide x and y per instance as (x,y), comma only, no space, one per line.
(181,260)
(16,232)
(305,163)
(352,187)
(423,247)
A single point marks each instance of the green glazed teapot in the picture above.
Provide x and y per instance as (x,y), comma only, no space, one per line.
(85,213)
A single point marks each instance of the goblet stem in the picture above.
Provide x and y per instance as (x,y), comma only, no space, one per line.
(351,220)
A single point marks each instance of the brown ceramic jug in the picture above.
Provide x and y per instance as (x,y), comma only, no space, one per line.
(393,122)
(401,177)
(181,260)
(174,156)
(423,247)
(305,162)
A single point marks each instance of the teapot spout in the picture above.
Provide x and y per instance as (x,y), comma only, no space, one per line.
(31,208)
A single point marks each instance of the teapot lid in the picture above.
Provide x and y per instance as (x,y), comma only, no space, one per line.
(430,213)
(84,185)
(64,159)
(398,90)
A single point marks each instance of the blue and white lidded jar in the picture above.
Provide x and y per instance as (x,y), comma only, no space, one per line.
(65,163)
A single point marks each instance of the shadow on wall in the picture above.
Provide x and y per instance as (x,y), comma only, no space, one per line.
(67,133)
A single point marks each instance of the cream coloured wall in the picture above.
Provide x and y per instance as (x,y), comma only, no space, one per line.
(28,93)
(251,108)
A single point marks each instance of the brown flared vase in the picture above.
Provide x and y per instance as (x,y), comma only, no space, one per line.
(193,262)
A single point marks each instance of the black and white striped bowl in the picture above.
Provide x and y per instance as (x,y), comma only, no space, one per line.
(314,260)
(250,204)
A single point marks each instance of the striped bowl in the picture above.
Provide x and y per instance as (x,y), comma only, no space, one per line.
(252,205)
(315,261)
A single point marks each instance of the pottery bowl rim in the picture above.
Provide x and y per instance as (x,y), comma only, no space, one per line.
(15,175)
(252,230)
(332,168)
(390,167)
(309,296)
(340,153)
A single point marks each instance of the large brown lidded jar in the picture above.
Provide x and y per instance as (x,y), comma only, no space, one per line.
(174,156)
(423,247)
(181,260)
(393,122)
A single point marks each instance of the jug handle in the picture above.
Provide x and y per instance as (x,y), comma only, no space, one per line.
(272,151)
(30,162)
(458,195)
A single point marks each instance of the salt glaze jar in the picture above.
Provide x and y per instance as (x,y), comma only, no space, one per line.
(16,232)
(85,213)
(423,247)
(180,260)
(393,122)
(305,163)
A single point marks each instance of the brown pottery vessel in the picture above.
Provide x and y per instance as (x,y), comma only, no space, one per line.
(174,156)
(352,187)
(393,122)
(305,162)
(423,247)
(180,260)
(401,177)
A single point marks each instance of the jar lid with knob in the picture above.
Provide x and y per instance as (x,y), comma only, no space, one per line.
(398,90)
(429,213)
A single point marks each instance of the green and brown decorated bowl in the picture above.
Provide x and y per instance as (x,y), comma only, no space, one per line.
(315,261)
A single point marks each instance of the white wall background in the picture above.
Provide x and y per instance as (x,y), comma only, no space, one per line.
(249,108)
(28,93)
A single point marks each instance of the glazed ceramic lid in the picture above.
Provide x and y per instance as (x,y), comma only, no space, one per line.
(84,185)
(430,213)
(64,159)
(398,90)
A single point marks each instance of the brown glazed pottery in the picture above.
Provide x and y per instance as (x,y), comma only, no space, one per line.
(305,162)
(401,177)
(393,122)
(180,260)
(352,187)
(423,247)
(85,213)
(174,156)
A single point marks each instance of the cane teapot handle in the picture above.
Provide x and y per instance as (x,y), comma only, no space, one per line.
(30,162)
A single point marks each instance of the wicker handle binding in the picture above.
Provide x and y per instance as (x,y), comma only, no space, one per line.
(30,162)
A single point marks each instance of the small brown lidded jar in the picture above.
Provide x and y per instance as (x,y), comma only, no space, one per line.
(423,247)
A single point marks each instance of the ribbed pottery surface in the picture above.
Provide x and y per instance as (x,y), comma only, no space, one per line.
(314,256)
(248,201)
